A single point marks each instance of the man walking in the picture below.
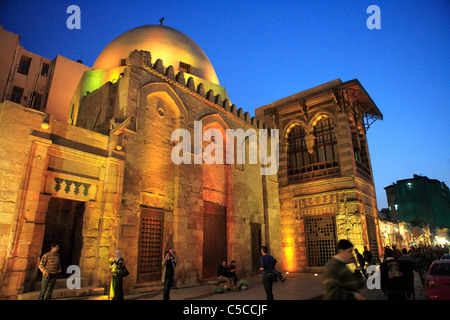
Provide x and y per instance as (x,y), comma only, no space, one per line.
(339,282)
(267,265)
(392,280)
(407,265)
(50,267)
(169,263)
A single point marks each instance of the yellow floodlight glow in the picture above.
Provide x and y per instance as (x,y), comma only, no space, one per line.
(165,43)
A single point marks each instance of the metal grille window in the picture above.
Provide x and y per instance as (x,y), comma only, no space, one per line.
(214,238)
(325,148)
(185,67)
(150,245)
(321,161)
(320,234)
(298,152)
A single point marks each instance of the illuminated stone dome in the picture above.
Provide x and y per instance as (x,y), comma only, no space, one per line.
(171,46)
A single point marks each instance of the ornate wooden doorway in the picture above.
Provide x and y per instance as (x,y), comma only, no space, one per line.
(214,238)
(150,245)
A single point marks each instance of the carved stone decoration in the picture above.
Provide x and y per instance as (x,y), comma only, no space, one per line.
(58,182)
(309,139)
(68,183)
(77,187)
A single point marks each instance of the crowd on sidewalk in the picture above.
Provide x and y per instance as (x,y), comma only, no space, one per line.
(396,271)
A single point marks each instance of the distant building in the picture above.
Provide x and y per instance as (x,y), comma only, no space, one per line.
(420,200)
(384,214)
(34,81)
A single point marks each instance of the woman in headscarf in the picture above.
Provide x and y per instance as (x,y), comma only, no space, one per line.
(117,266)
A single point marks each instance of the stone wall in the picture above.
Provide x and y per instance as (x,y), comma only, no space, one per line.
(53,159)
(162,102)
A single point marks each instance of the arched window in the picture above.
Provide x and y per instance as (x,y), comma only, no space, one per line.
(325,149)
(322,158)
(298,155)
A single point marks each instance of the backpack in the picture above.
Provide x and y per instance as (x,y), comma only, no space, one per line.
(394,269)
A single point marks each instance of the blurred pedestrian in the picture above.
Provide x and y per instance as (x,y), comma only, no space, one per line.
(361,262)
(340,283)
(397,252)
(407,267)
(50,266)
(169,263)
(419,263)
(267,266)
(367,256)
(391,277)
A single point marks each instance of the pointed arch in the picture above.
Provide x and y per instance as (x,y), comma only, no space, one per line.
(170,99)
(319,116)
(291,125)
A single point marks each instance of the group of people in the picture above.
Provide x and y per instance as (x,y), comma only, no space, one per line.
(340,283)
(396,271)
(50,267)
(228,274)
(119,270)
(398,266)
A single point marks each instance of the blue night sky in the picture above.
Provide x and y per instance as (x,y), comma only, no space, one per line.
(263,51)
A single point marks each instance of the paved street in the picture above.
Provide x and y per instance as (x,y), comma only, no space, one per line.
(378,295)
(298,286)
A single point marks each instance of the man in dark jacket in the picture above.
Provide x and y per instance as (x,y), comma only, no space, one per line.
(340,283)
(407,266)
(367,256)
(267,267)
(392,280)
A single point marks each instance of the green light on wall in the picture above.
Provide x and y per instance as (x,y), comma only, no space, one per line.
(94,79)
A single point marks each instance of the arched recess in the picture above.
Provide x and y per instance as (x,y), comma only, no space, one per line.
(167,95)
(152,178)
(217,225)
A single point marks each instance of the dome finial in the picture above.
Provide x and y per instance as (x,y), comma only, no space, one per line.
(161,20)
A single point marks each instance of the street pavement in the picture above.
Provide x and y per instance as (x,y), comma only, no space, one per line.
(298,286)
